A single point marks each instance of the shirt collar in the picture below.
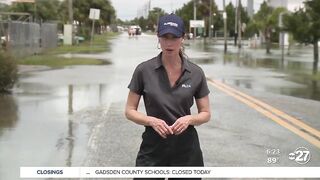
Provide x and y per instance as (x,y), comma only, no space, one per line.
(185,63)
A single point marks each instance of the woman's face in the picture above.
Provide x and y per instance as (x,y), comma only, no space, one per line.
(170,44)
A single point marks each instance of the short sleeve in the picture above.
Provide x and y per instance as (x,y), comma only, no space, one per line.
(202,89)
(136,83)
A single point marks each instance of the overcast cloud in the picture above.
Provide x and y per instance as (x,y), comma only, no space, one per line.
(128,9)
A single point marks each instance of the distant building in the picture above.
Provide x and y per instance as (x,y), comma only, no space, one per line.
(290,5)
(143,11)
(278,3)
(250,10)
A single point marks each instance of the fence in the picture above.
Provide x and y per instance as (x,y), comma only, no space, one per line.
(48,36)
(24,38)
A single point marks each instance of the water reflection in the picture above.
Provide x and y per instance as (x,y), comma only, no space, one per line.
(245,83)
(247,60)
(315,90)
(70,137)
(292,76)
(70,99)
(273,61)
(202,60)
(8,112)
(41,122)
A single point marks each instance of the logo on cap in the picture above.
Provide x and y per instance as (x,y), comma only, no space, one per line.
(170,24)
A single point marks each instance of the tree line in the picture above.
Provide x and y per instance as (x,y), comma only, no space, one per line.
(57,11)
(302,25)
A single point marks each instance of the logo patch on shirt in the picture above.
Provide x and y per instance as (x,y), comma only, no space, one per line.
(186,85)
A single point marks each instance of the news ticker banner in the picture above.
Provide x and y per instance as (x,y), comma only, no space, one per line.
(173,172)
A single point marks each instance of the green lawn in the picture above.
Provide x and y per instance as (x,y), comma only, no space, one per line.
(100,43)
(57,62)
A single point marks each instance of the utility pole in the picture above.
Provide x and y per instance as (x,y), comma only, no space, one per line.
(236,23)
(210,20)
(225,26)
(35,12)
(281,37)
(194,17)
(70,10)
(240,24)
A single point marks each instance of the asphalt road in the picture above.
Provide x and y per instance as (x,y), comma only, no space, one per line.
(240,133)
(75,116)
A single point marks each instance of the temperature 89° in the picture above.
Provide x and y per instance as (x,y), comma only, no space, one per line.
(273,160)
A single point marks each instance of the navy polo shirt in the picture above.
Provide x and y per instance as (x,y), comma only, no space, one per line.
(162,101)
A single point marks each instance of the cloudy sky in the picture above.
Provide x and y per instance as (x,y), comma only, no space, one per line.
(127,9)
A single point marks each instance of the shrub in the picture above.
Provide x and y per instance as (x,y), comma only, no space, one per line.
(8,72)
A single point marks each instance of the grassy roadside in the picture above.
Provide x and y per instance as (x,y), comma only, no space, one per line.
(58,62)
(100,43)
(50,58)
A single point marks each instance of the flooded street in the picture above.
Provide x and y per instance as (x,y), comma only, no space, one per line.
(37,126)
(50,117)
(253,69)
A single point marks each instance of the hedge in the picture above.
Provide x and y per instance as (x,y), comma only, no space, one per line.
(8,72)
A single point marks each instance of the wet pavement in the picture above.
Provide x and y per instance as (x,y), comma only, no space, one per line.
(252,68)
(74,116)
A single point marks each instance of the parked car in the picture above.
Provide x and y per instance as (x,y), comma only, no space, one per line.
(76,38)
(134,30)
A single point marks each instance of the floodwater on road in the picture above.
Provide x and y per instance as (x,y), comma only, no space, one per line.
(48,118)
(37,127)
(252,68)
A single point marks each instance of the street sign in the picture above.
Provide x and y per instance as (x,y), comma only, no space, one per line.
(224,15)
(197,23)
(94,14)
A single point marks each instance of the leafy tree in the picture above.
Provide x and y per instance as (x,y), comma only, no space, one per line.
(231,13)
(43,10)
(251,29)
(22,7)
(266,20)
(263,21)
(203,13)
(3,7)
(81,10)
(149,23)
(186,13)
(142,22)
(304,25)
(153,16)
(47,10)
(8,72)
(275,22)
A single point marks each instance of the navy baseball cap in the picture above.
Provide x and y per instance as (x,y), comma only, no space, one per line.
(172,24)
